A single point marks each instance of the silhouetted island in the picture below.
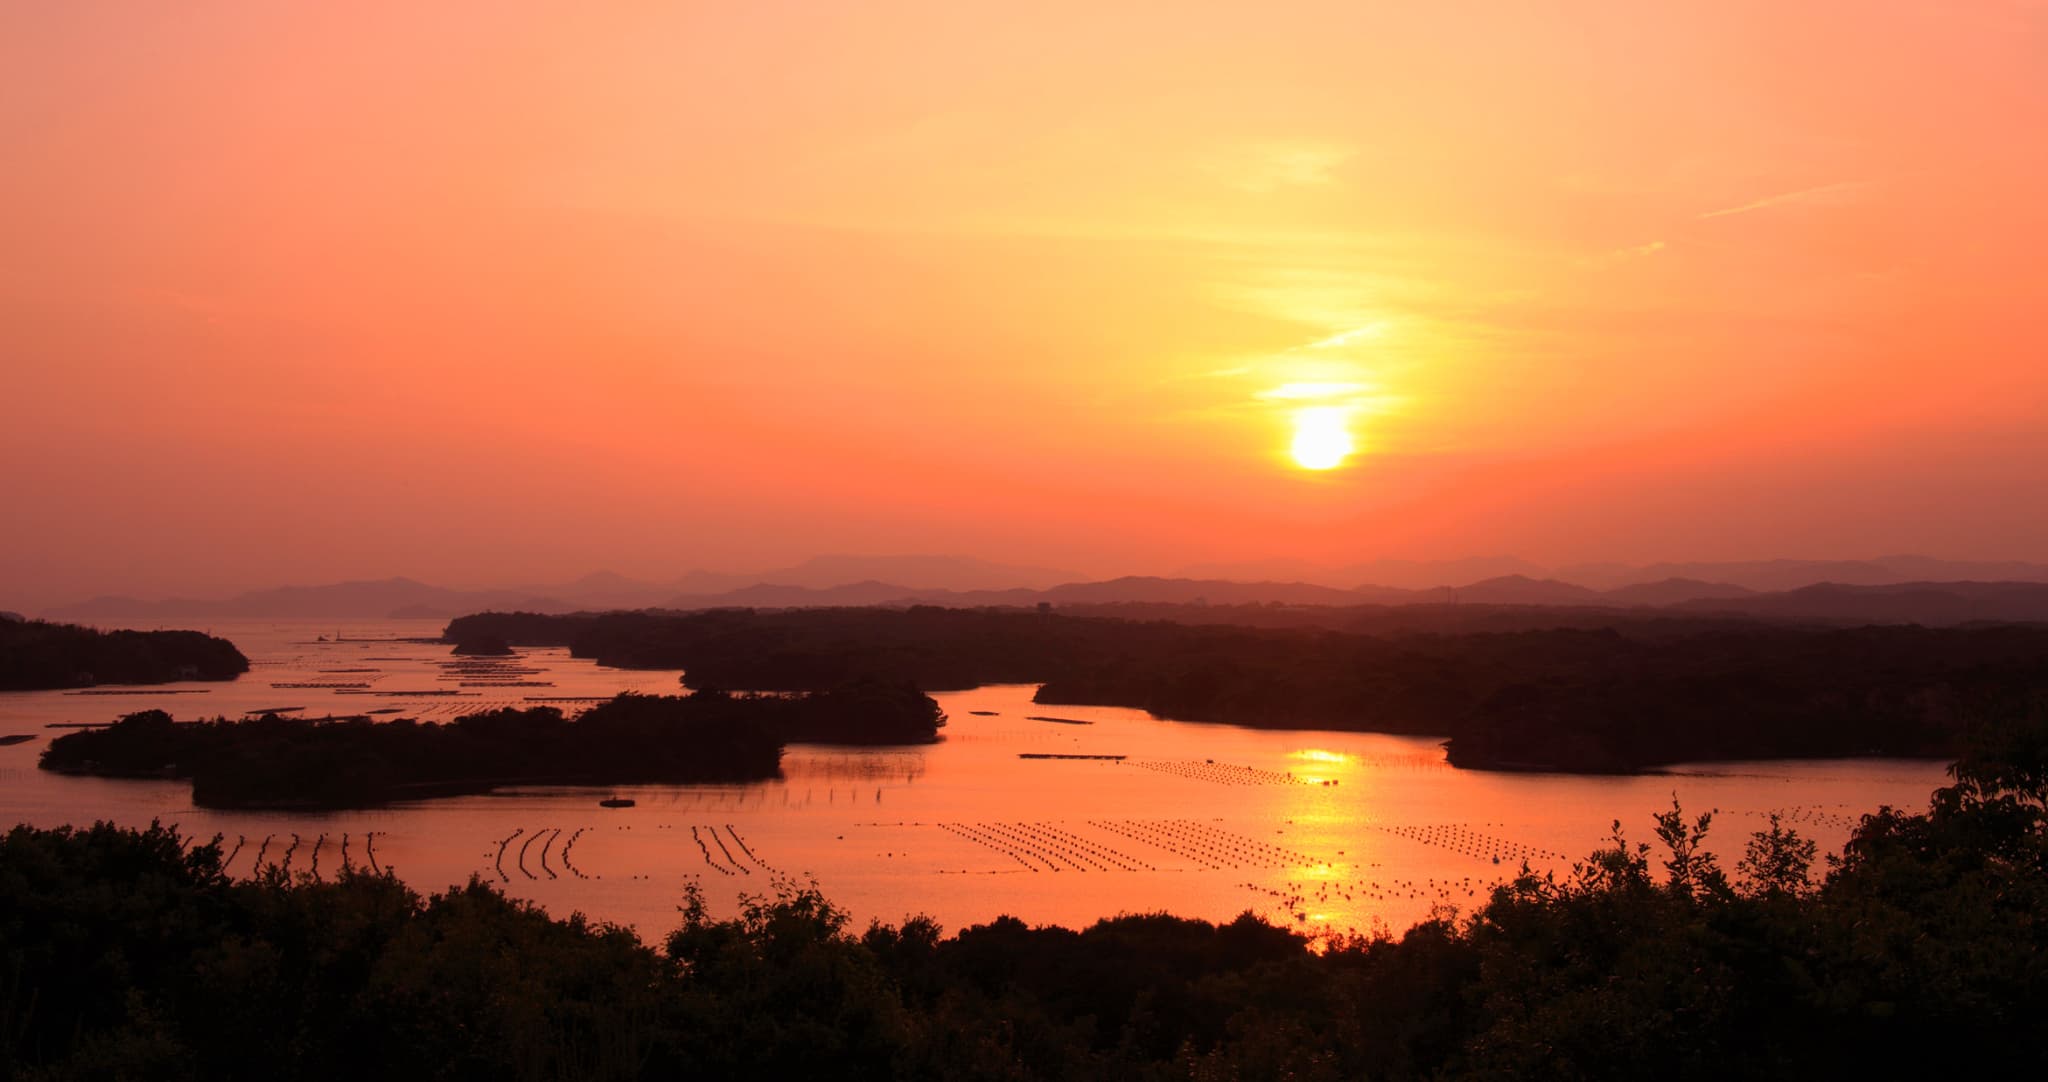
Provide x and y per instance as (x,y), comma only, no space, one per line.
(482,646)
(1637,695)
(1916,953)
(278,762)
(35,655)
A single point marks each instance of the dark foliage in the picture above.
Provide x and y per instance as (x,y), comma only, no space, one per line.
(35,654)
(1560,698)
(482,646)
(1921,953)
(276,762)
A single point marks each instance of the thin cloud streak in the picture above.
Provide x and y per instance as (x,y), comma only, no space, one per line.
(1804,195)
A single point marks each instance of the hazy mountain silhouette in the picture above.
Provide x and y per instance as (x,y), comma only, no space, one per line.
(1929,603)
(1516,590)
(1673,592)
(342,600)
(1189,591)
(1779,575)
(781,596)
(1397,574)
(823,580)
(1752,575)
(950,580)
(945,573)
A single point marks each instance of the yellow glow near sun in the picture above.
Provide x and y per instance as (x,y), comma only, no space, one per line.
(1322,437)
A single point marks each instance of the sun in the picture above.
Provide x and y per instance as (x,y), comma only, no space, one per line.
(1322,437)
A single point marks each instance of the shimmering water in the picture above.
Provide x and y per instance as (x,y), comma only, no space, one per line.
(1327,830)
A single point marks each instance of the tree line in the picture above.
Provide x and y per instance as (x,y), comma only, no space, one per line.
(36,655)
(279,762)
(1569,698)
(1917,951)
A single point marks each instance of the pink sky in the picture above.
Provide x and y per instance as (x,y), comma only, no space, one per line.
(511,291)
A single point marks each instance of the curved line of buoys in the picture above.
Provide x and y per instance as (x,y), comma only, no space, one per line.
(502,844)
(544,854)
(522,855)
(569,845)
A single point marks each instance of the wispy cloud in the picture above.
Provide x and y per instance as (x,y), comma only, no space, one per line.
(1826,193)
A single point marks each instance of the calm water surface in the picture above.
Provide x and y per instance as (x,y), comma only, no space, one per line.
(1324,830)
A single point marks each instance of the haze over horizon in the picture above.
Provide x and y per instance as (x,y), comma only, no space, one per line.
(492,294)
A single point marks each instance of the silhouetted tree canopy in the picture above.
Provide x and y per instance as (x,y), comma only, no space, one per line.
(1919,953)
(708,736)
(35,654)
(1568,698)
(483,646)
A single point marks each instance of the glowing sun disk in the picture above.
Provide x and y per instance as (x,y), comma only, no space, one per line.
(1322,438)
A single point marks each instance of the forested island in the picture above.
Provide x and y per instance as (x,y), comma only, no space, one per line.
(1919,953)
(1640,694)
(277,762)
(36,655)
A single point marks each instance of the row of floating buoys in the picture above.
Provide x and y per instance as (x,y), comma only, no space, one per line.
(1170,840)
(1221,773)
(1814,814)
(749,851)
(744,870)
(706,850)
(975,834)
(566,847)
(1099,855)
(1458,838)
(1210,846)
(348,863)
(1437,894)
(1009,835)
(260,858)
(1053,847)
(547,836)
(1058,849)
(523,846)
(503,842)
(557,833)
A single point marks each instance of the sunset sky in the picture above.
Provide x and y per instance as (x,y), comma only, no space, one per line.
(508,291)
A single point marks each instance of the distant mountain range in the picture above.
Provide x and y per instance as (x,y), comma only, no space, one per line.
(403,597)
(811,584)
(1757,575)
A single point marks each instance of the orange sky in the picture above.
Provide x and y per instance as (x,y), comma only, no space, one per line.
(510,291)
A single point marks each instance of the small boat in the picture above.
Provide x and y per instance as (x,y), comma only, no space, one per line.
(616,802)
